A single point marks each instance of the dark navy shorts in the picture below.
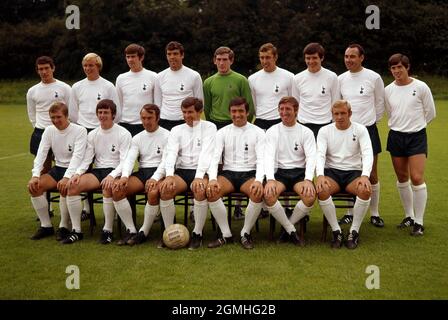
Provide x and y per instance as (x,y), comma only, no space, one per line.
(342,177)
(100,173)
(170,124)
(187,175)
(132,128)
(57,173)
(36,137)
(374,138)
(315,127)
(143,174)
(238,178)
(401,144)
(266,124)
(289,177)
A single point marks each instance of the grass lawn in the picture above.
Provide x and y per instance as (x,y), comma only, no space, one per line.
(410,268)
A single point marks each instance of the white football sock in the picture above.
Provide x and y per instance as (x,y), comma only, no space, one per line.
(168,211)
(109,214)
(65,217)
(420,196)
(40,204)
(299,212)
(253,210)
(405,191)
(200,215)
(278,212)
(74,205)
(375,200)
(359,212)
(219,212)
(150,214)
(124,210)
(329,211)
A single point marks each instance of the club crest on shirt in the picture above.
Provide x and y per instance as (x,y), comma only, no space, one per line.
(99,96)
(362,90)
(113,148)
(198,142)
(144,86)
(323,90)
(296,146)
(70,148)
(182,87)
(56,95)
(276,89)
(246,146)
(158,150)
(414,92)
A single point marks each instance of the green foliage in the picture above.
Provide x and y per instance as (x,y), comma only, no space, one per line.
(32,28)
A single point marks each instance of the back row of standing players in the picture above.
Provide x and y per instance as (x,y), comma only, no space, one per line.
(316,89)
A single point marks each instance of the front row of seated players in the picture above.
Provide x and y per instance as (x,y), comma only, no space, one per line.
(286,154)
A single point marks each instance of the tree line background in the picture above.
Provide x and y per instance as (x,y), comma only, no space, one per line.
(30,28)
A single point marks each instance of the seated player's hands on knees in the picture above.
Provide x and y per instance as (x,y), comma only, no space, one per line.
(74,180)
(270,189)
(198,185)
(108,183)
(150,185)
(121,184)
(307,189)
(213,188)
(363,185)
(168,185)
(256,189)
(63,186)
(33,185)
(322,184)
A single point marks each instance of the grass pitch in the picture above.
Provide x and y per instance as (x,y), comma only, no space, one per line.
(410,268)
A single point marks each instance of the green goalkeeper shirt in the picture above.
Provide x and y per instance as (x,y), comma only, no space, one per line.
(220,89)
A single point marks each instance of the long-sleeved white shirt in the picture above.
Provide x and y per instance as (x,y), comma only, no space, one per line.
(289,148)
(348,149)
(85,96)
(267,89)
(410,107)
(108,147)
(172,87)
(190,148)
(149,147)
(365,92)
(243,149)
(316,93)
(134,90)
(41,96)
(68,147)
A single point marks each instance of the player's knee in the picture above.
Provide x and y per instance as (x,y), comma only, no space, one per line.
(200,195)
(270,200)
(167,195)
(308,200)
(364,194)
(417,179)
(118,195)
(153,197)
(323,195)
